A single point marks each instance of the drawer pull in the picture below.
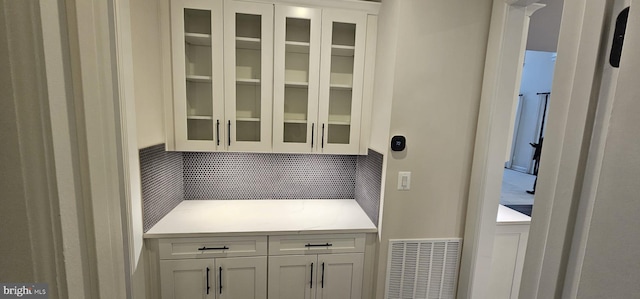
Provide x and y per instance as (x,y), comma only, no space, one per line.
(318,245)
(213,248)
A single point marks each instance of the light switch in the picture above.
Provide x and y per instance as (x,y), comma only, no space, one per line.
(404,180)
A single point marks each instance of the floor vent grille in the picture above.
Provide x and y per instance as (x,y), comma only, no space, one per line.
(423,268)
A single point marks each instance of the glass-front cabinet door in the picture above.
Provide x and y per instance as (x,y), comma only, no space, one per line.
(196,44)
(341,80)
(296,78)
(249,75)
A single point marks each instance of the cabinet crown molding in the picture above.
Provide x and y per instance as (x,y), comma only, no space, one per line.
(361,5)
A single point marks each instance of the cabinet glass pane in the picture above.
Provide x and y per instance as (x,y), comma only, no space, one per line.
(197,37)
(341,82)
(296,93)
(200,129)
(248,70)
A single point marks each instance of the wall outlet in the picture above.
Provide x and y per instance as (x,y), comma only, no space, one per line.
(404,180)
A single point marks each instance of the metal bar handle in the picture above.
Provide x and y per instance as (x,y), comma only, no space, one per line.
(220,279)
(322,279)
(213,248)
(312,129)
(217,132)
(318,245)
(322,135)
(208,287)
(229,134)
(311,281)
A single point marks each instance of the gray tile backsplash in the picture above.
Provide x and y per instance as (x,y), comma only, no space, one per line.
(161,174)
(368,184)
(170,177)
(268,176)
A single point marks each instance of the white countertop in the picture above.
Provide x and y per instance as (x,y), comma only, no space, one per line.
(509,216)
(200,218)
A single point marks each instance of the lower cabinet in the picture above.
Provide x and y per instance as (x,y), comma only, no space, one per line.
(222,278)
(326,276)
(261,267)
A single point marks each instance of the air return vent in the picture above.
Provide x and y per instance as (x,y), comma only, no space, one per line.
(423,268)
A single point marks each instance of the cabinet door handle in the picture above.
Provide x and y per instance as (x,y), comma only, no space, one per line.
(213,248)
(220,279)
(318,245)
(229,134)
(218,132)
(208,287)
(311,281)
(322,135)
(312,128)
(322,279)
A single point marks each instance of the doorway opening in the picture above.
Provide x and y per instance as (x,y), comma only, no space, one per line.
(529,119)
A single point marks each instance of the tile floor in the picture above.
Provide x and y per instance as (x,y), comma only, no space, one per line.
(514,185)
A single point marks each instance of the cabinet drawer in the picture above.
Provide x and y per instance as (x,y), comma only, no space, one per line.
(316,244)
(212,247)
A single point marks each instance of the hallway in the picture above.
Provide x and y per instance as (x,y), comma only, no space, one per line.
(514,186)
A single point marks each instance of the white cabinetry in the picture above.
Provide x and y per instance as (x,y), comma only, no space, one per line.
(341,80)
(196,47)
(187,279)
(241,277)
(328,276)
(509,248)
(248,55)
(299,266)
(318,79)
(254,76)
(330,273)
(222,268)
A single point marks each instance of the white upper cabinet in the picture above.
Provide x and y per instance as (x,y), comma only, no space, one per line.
(196,42)
(270,77)
(341,80)
(318,80)
(249,75)
(296,78)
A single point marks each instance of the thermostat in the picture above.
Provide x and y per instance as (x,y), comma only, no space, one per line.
(398,143)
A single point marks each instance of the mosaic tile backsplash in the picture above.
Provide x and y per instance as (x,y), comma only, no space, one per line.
(161,173)
(368,182)
(268,176)
(170,177)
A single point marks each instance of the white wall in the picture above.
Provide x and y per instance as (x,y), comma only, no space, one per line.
(537,76)
(545,27)
(17,264)
(439,66)
(611,266)
(147,65)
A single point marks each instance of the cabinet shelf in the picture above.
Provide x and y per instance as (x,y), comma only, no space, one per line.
(250,43)
(249,119)
(244,81)
(197,78)
(295,121)
(341,86)
(296,84)
(344,120)
(199,39)
(200,117)
(297,47)
(340,50)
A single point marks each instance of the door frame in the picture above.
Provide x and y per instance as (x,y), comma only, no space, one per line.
(500,88)
(561,172)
